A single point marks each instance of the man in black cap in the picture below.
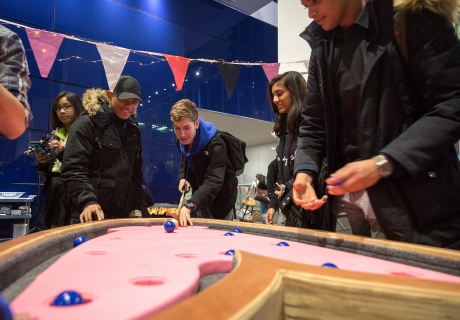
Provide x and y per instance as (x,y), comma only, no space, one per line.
(102,165)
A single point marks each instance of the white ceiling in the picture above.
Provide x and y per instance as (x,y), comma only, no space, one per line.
(253,132)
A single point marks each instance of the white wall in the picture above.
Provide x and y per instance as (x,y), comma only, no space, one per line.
(292,20)
(259,158)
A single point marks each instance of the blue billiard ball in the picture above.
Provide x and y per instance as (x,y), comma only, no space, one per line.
(5,311)
(68,298)
(237,230)
(283,244)
(79,240)
(329,265)
(169,226)
(229,234)
(230,252)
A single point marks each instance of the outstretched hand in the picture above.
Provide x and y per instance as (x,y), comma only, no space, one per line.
(354,176)
(304,194)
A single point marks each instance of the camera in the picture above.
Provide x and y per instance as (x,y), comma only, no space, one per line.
(281,189)
(43,144)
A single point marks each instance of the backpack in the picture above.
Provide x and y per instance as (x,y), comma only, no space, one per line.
(236,151)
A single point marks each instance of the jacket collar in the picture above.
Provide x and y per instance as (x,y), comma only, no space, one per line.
(101,118)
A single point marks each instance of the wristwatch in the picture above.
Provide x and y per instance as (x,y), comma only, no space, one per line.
(384,166)
(190,205)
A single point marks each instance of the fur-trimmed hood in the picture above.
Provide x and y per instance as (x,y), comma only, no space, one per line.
(92,99)
(448,9)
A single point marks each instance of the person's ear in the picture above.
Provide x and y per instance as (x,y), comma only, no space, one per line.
(197,123)
(109,94)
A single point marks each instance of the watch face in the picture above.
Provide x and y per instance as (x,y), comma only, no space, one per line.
(385,168)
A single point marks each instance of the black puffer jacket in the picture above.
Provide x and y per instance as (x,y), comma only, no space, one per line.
(409,111)
(99,166)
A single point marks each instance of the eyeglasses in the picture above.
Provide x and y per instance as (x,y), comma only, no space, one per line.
(66,107)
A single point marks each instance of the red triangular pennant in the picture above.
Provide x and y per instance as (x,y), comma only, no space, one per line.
(45,46)
(179,66)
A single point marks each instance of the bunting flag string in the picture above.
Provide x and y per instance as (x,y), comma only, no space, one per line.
(45,46)
(94,61)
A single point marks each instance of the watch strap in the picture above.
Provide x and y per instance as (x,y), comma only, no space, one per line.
(190,205)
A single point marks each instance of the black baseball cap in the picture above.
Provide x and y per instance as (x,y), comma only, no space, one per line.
(128,88)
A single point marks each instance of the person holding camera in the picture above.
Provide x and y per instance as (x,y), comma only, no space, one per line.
(67,107)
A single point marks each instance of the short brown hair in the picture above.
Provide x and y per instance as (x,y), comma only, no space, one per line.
(184,109)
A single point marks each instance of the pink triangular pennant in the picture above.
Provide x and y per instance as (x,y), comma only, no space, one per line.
(45,46)
(114,61)
(271,70)
(179,66)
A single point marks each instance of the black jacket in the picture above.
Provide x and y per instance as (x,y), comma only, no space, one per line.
(99,167)
(407,110)
(295,215)
(212,180)
(272,179)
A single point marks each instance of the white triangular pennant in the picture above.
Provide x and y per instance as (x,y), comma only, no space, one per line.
(299,66)
(114,60)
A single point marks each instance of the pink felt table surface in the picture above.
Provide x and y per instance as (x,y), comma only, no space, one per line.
(136,271)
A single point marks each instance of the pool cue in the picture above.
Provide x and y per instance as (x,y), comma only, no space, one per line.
(181,201)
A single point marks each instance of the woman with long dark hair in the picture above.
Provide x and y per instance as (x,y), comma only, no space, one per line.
(67,107)
(286,93)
